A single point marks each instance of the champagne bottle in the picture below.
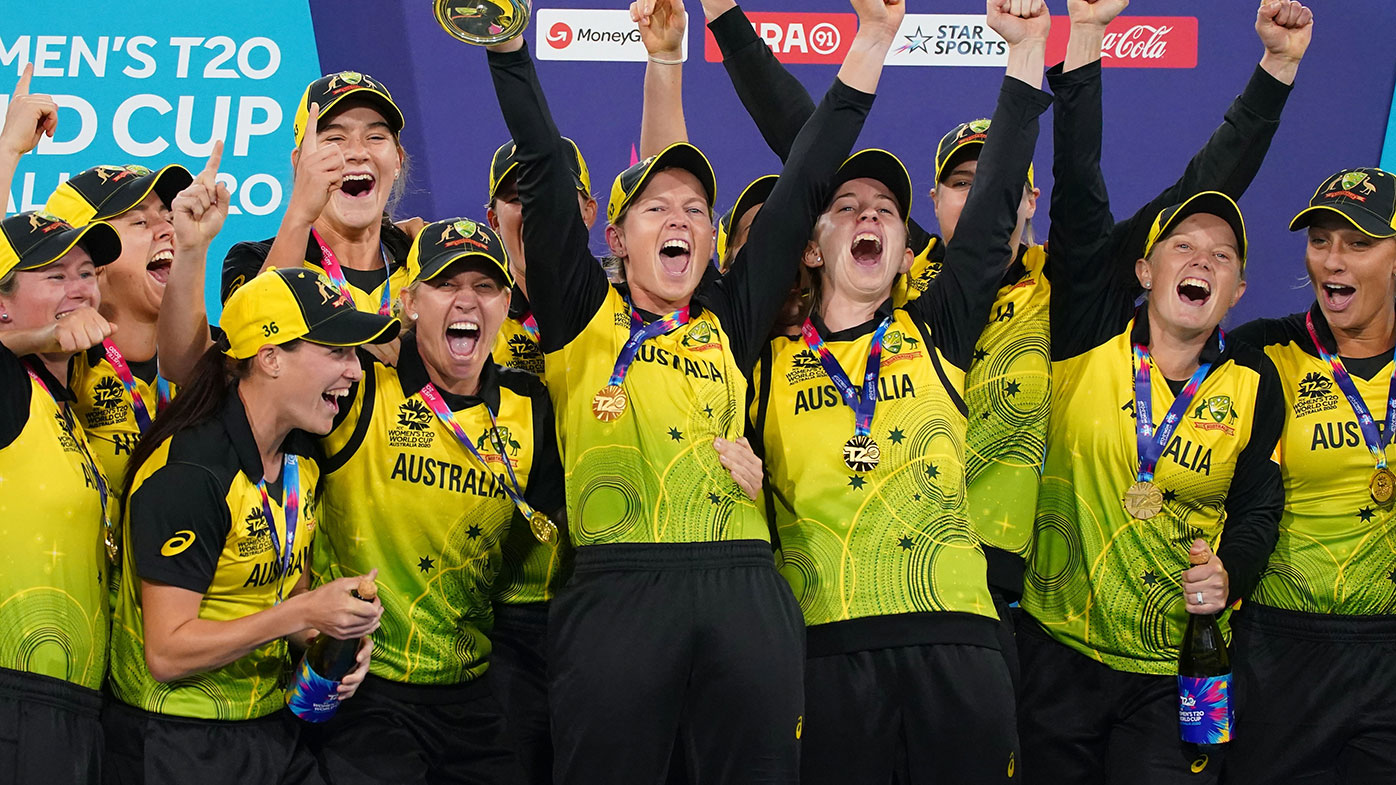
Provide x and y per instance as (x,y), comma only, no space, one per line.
(1205,711)
(314,697)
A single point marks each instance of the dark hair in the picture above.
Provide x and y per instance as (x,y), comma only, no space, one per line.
(214,379)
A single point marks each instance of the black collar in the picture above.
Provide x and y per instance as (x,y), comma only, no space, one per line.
(239,430)
(695,308)
(855,332)
(1211,352)
(1017,269)
(518,305)
(60,392)
(412,375)
(145,370)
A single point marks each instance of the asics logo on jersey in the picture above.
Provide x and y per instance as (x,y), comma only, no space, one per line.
(178,544)
(1199,764)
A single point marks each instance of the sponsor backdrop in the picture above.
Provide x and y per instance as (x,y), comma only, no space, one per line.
(142,83)
(1178,64)
(153,86)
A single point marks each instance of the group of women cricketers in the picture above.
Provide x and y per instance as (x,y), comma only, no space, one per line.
(843,502)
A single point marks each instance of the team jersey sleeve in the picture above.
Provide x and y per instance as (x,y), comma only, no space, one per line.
(748,298)
(777,102)
(179,523)
(566,285)
(957,307)
(15,392)
(546,491)
(1256,497)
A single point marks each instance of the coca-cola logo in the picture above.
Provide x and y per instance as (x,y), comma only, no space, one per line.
(1139,42)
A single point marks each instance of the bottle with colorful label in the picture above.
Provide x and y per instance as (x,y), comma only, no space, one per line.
(314,697)
(1205,712)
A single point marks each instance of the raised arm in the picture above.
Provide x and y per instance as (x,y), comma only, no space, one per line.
(319,170)
(565,284)
(957,307)
(29,118)
(750,296)
(182,328)
(663,24)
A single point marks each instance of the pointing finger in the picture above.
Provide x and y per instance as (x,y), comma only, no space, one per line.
(211,168)
(22,86)
(310,143)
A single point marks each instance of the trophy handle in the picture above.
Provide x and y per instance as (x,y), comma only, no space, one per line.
(482,22)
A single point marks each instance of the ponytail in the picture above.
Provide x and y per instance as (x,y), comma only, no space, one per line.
(214,378)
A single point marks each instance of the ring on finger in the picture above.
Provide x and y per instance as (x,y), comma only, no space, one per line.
(1199,598)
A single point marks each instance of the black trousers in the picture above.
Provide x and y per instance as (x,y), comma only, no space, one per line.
(1008,636)
(519,676)
(50,730)
(933,714)
(1082,722)
(144,748)
(699,644)
(1315,698)
(391,733)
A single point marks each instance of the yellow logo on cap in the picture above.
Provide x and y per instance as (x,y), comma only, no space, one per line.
(177,544)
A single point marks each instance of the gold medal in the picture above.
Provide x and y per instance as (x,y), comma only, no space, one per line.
(482,22)
(1143,500)
(609,404)
(861,453)
(109,540)
(544,530)
(1382,486)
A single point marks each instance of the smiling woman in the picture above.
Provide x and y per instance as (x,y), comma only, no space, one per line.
(350,167)
(220,513)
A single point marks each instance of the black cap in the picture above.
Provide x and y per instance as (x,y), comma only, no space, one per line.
(442,243)
(104,192)
(31,240)
(329,90)
(680,155)
(756,193)
(280,306)
(504,163)
(883,167)
(964,138)
(1365,197)
(1209,202)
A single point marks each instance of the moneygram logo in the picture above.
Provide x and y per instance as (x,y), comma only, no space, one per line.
(589,34)
(1139,42)
(797,37)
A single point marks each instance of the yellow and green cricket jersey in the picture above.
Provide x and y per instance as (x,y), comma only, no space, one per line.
(893,540)
(54,607)
(651,475)
(516,348)
(1337,547)
(402,494)
(195,520)
(244,260)
(104,410)
(1109,585)
(924,268)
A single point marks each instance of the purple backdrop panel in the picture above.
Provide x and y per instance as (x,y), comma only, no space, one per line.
(1157,115)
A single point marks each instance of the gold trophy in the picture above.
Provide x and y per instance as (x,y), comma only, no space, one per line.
(482,22)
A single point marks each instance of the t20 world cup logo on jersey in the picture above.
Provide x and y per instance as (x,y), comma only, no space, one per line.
(256,533)
(413,426)
(804,366)
(108,405)
(1315,395)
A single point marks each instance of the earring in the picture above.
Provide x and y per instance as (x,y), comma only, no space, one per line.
(414,316)
(4,317)
(1148,284)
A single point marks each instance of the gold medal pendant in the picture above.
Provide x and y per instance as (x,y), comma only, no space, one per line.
(861,453)
(482,22)
(544,530)
(110,541)
(1143,500)
(609,403)
(1382,486)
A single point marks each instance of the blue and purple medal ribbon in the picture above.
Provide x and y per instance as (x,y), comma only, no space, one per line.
(543,529)
(530,326)
(1151,443)
(860,453)
(1376,440)
(641,332)
(291,492)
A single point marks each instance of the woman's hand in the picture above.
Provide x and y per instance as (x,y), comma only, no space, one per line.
(319,172)
(29,118)
(663,24)
(79,330)
(351,681)
(331,609)
(198,211)
(1206,584)
(1019,21)
(741,462)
